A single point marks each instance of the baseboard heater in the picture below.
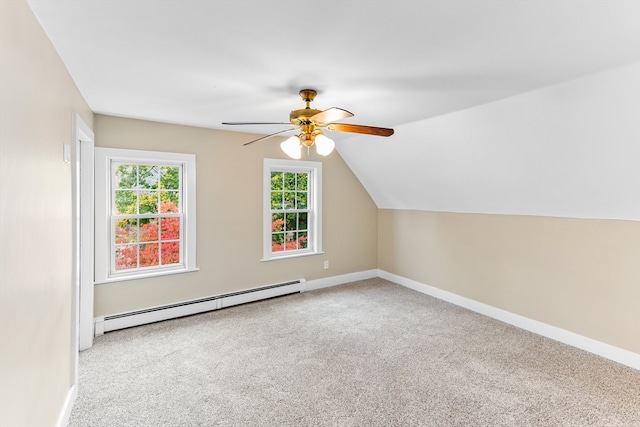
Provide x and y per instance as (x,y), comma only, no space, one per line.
(186,308)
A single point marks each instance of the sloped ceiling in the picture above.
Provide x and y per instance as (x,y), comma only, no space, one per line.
(404,64)
(567,150)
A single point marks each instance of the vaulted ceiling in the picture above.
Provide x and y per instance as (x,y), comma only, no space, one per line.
(392,63)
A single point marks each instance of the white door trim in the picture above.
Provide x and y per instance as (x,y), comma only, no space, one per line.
(83,227)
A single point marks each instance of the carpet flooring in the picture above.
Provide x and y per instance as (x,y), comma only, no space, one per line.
(368,353)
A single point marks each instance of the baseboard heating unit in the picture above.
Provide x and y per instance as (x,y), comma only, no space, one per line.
(187,308)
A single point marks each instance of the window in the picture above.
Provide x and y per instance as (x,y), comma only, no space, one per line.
(145,213)
(292,208)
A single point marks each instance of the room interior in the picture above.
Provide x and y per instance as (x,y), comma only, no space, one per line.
(509,187)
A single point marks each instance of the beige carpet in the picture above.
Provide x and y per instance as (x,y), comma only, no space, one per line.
(370,353)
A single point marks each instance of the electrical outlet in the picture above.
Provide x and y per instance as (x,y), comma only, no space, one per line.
(326,265)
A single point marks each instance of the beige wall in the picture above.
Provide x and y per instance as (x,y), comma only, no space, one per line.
(581,275)
(38,98)
(229,216)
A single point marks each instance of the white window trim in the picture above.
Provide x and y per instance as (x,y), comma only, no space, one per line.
(103,160)
(315,196)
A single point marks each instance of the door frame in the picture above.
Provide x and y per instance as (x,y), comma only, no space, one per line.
(83,247)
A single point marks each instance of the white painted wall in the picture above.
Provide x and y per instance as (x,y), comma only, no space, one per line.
(567,150)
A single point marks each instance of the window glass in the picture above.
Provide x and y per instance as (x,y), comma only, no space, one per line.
(146,215)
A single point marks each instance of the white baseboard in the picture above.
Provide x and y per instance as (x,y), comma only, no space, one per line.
(148,315)
(622,356)
(311,285)
(114,322)
(65,413)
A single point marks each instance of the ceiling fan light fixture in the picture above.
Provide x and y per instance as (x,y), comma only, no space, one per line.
(324,145)
(291,147)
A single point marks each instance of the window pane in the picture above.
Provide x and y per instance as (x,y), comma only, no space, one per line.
(170,253)
(126,231)
(277,242)
(126,257)
(289,181)
(125,202)
(301,200)
(148,230)
(302,240)
(276,200)
(126,176)
(302,181)
(169,229)
(276,180)
(148,177)
(277,222)
(148,202)
(289,200)
(169,201)
(302,221)
(291,221)
(170,177)
(149,255)
(291,244)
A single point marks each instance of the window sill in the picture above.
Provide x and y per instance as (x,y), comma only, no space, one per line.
(146,275)
(277,258)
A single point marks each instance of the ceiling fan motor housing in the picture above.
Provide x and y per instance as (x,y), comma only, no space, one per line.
(302,116)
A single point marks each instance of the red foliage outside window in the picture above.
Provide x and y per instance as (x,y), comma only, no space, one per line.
(289,243)
(154,248)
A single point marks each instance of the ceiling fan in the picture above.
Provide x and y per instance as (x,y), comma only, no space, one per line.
(311,122)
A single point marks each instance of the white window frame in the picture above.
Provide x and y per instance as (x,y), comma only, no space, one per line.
(104,157)
(314,220)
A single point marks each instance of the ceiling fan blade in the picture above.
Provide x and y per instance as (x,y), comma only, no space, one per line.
(369,130)
(331,115)
(269,136)
(256,123)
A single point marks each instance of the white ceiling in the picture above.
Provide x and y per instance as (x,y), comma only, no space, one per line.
(389,62)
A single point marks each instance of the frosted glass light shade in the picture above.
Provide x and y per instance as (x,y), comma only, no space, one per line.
(291,147)
(324,145)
